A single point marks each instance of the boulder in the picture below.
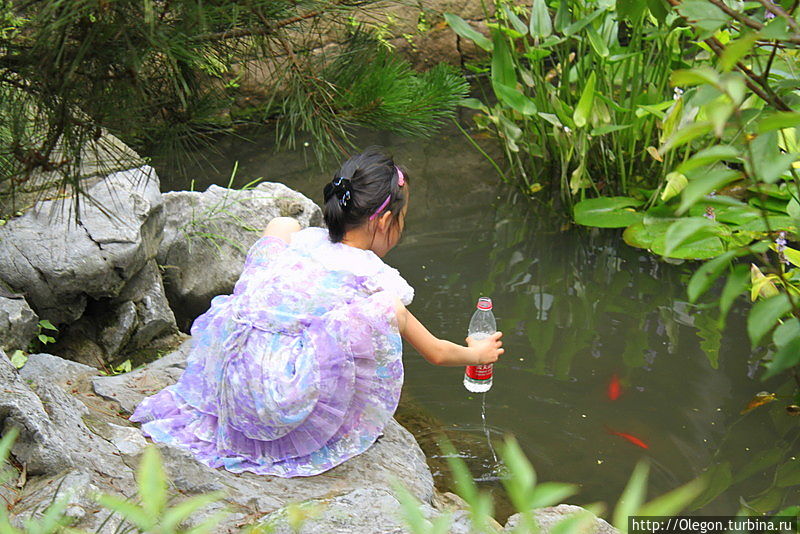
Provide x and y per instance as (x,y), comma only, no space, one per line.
(113,445)
(89,276)
(207,236)
(18,323)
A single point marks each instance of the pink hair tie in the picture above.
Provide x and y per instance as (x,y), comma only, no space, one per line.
(401,181)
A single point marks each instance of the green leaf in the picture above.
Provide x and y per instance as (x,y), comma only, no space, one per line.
(775,30)
(779,121)
(540,24)
(686,230)
(659,9)
(707,274)
(584,107)
(674,501)
(736,50)
(18,359)
(44,323)
(676,182)
(737,283)
(765,314)
(465,485)
(696,76)
(551,494)
(687,134)
(181,511)
(562,16)
(708,156)
(786,332)
(522,477)
(652,237)
(474,103)
(717,479)
(598,44)
(128,510)
(503,72)
(768,163)
(607,212)
(152,482)
(759,464)
(632,497)
(785,358)
(579,24)
(631,9)
(466,31)
(701,184)
(702,15)
(519,26)
(609,128)
(788,474)
(515,99)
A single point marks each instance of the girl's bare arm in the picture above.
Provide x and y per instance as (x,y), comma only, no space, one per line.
(282,228)
(442,352)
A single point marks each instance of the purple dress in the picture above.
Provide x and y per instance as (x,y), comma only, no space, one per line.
(296,371)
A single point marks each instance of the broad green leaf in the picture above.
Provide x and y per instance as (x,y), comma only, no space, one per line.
(584,107)
(465,484)
(717,479)
(765,314)
(181,511)
(632,497)
(775,30)
(562,19)
(152,482)
(44,323)
(540,23)
(674,501)
(522,479)
(18,359)
(659,9)
(768,163)
(596,41)
(466,31)
(520,26)
(128,510)
(788,474)
(687,230)
(703,15)
(789,330)
(687,134)
(696,76)
(761,285)
(736,50)
(503,72)
(707,274)
(515,99)
(779,120)
(735,285)
(631,9)
(578,25)
(708,156)
(701,184)
(607,212)
(552,119)
(676,182)
(786,357)
(551,494)
(474,103)
(759,464)
(652,237)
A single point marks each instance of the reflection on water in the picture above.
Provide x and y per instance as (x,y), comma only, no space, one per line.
(577,307)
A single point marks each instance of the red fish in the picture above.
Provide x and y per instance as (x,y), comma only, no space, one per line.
(633,439)
(614,388)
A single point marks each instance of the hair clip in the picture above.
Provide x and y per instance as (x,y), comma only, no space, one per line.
(401,180)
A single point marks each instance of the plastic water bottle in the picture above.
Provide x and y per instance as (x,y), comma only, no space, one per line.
(478,378)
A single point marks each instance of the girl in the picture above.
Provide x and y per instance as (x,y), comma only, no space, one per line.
(300,368)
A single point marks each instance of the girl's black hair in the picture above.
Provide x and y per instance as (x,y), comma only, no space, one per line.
(359,187)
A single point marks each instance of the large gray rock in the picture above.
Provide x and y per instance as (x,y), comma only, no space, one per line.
(93,447)
(207,235)
(18,323)
(95,272)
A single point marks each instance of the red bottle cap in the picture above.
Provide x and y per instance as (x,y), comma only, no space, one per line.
(484,303)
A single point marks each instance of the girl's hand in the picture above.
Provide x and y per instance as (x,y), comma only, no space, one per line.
(486,350)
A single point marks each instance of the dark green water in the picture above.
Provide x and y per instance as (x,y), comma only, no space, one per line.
(576,306)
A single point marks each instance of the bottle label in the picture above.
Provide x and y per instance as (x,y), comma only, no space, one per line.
(480,372)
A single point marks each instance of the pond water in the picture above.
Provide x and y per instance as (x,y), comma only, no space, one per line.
(577,308)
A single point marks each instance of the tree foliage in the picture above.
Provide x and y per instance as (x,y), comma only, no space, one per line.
(164,74)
